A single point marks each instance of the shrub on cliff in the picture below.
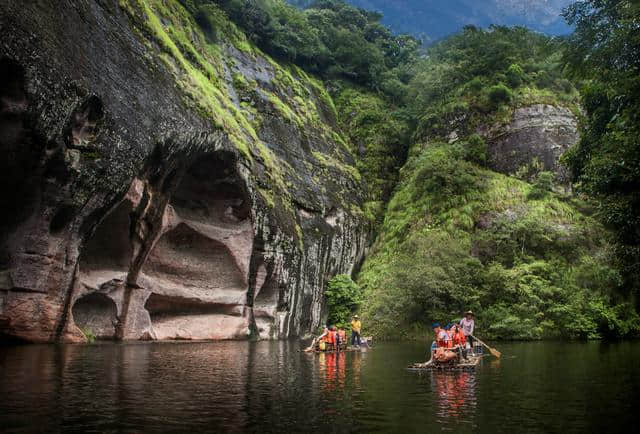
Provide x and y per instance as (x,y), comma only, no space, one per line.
(499,94)
(473,149)
(542,185)
(515,75)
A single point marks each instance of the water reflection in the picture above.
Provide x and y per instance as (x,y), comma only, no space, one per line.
(275,387)
(455,394)
(333,364)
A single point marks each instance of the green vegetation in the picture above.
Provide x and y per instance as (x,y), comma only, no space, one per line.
(452,234)
(604,51)
(542,186)
(380,134)
(477,77)
(331,39)
(195,39)
(89,335)
(457,236)
(343,296)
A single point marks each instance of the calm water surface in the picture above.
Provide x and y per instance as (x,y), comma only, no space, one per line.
(273,387)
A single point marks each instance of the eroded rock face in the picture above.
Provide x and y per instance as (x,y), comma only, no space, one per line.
(542,132)
(126,213)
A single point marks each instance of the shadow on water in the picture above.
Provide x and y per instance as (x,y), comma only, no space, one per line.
(274,387)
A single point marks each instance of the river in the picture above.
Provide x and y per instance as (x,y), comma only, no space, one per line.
(273,387)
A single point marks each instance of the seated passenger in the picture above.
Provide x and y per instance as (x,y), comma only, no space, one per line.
(442,338)
(459,340)
(333,337)
(318,343)
(449,332)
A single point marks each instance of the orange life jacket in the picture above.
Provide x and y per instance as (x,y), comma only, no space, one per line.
(459,338)
(441,342)
(331,337)
(343,335)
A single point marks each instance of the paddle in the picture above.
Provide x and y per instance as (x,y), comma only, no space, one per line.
(493,351)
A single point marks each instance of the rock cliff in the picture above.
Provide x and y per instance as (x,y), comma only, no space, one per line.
(539,132)
(164,179)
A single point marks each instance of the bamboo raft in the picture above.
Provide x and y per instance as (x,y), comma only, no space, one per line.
(342,350)
(367,340)
(453,365)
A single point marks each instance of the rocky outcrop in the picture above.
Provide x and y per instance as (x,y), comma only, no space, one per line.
(539,133)
(152,191)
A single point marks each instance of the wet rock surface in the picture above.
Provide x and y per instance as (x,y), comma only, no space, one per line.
(127,213)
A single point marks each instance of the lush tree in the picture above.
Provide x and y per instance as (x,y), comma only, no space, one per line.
(330,38)
(343,297)
(604,50)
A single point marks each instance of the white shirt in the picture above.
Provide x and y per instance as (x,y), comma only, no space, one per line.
(443,336)
(467,326)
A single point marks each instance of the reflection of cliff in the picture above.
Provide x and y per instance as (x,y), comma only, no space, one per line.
(173,386)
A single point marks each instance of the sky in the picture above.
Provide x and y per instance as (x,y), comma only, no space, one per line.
(434,19)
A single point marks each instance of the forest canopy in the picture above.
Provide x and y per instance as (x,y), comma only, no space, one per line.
(331,39)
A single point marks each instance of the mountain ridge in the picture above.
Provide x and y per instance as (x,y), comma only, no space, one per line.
(431,20)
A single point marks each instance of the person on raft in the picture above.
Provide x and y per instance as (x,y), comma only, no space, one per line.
(356,326)
(459,340)
(468,325)
(324,338)
(442,337)
(442,352)
(342,339)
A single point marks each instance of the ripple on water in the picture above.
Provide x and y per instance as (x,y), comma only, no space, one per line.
(273,387)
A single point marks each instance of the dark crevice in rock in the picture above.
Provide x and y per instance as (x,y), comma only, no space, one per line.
(167,306)
(97,313)
(13,97)
(62,217)
(64,317)
(20,149)
(212,192)
(85,123)
(108,252)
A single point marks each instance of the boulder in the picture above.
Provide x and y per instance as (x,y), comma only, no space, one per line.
(538,133)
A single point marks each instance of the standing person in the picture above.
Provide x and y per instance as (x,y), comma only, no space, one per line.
(468,326)
(356,326)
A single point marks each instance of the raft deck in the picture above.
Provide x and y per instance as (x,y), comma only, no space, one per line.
(464,365)
(342,350)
